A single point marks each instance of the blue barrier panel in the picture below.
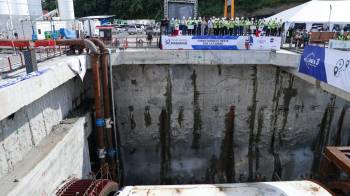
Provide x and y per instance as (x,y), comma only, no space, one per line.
(312,63)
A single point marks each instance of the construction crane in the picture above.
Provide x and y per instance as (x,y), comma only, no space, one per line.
(232,8)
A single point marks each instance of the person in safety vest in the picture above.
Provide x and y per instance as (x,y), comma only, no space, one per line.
(231,26)
(348,36)
(225,26)
(280,27)
(341,36)
(241,26)
(211,26)
(221,26)
(190,26)
(172,25)
(216,26)
(246,26)
(269,31)
(199,26)
(236,27)
(195,23)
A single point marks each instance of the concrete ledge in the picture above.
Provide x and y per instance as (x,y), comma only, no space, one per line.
(60,155)
(324,86)
(16,96)
(283,58)
(205,57)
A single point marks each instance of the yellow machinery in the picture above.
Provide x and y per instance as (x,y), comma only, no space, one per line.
(232,8)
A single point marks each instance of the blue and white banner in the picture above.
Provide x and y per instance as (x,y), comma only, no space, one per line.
(312,63)
(327,65)
(220,43)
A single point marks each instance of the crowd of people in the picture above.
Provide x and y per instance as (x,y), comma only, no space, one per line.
(301,37)
(221,26)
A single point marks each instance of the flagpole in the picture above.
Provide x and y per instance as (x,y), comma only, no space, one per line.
(329,19)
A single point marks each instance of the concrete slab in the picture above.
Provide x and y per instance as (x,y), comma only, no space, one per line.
(62,154)
(204,57)
(291,188)
(14,97)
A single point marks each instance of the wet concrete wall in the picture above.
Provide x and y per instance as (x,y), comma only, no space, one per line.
(182,124)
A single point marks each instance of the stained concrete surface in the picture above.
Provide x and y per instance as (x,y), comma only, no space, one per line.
(280,58)
(24,129)
(184,124)
(287,60)
(15,97)
(64,153)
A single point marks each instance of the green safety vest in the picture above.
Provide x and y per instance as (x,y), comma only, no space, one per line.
(220,24)
(274,25)
(226,24)
(348,37)
(215,24)
(231,24)
(269,25)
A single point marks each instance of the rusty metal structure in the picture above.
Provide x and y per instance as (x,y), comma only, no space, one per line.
(99,55)
(336,160)
(90,187)
(229,4)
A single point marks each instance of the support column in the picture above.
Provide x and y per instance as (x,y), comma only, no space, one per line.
(225,9)
(232,8)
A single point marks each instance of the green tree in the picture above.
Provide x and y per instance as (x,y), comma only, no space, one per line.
(153,9)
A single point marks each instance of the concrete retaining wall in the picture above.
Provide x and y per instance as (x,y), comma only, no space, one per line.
(219,123)
(62,154)
(24,129)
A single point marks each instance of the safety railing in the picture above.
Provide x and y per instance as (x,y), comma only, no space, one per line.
(124,42)
(9,63)
(15,61)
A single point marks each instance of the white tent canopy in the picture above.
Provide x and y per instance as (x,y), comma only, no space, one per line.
(317,11)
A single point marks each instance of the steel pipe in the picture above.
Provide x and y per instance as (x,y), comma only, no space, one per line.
(106,103)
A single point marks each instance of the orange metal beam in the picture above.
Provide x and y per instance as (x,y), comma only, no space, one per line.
(232,8)
(225,9)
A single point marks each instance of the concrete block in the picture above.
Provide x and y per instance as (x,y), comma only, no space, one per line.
(62,154)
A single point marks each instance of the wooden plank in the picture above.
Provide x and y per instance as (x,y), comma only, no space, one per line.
(336,156)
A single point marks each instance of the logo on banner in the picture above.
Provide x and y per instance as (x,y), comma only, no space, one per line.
(311,61)
(175,41)
(341,66)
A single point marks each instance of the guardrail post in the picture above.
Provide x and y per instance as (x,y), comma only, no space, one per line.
(9,60)
(21,56)
(30,60)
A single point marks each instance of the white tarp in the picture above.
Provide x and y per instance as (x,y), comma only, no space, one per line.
(317,11)
(327,65)
(337,67)
(78,66)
